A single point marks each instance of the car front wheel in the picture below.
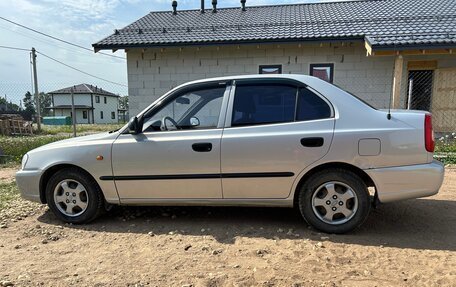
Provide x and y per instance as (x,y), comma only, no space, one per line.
(74,196)
(334,201)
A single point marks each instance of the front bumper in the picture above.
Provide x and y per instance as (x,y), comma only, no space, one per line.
(405,182)
(28,182)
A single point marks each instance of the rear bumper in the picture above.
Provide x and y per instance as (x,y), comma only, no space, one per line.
(28,182)
(405,182)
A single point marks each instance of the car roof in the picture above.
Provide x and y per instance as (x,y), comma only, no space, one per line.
(297,77)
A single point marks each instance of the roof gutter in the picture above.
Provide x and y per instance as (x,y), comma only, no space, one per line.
(99,47)
(376,47)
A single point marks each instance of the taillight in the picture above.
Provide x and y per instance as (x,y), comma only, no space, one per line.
(428,133)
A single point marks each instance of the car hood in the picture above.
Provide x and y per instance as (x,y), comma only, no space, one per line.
(78,141)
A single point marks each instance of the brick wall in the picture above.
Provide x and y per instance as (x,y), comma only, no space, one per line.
(153,72)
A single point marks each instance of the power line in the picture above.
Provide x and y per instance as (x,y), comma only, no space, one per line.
(15,48)
(58,39)
(76,69)
(49,42)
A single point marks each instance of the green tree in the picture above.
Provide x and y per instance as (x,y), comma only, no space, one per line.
(45,103)
(9,106)
(29,106)
(123,102)
(29,103)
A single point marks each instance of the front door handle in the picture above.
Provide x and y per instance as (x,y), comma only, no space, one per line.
(202,147)
(312,142)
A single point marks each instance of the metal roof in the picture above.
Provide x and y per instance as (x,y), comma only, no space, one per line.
(385,23)
(84,89)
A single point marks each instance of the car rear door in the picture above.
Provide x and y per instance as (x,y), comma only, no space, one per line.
(274,129)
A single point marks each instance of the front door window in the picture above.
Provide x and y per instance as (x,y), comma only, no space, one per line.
(198,109)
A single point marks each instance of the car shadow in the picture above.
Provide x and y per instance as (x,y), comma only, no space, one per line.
(416,224)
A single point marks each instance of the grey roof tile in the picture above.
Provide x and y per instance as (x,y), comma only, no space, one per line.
(384,23)
(84,89)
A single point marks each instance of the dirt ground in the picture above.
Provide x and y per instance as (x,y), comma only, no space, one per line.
(410,243)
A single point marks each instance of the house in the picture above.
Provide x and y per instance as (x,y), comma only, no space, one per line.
(92,104)
(398,53)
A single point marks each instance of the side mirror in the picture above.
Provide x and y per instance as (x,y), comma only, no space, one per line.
(194,121)
(134,126)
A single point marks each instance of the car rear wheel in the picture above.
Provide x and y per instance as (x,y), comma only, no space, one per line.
(74,196)
(334,201)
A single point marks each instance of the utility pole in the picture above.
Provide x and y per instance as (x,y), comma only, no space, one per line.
(73,113)
(37,96)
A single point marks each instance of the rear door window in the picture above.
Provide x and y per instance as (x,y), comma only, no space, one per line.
(257,104)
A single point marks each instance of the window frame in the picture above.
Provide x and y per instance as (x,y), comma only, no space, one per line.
(105,100)
(97,99)
(261,67)
(113,115)
(281,81)
(173,94)
(101,115)
(323,65)
(84,115)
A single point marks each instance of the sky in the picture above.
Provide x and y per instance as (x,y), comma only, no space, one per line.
(82,22)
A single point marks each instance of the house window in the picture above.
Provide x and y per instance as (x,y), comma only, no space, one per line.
(105,100)
(322,71)
(270,69)
(113,115)
(84,114)
(101,114)
(97,99)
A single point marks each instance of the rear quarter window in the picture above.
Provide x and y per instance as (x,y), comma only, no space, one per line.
(311,106)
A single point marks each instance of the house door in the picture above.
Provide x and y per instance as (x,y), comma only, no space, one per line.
(419,90)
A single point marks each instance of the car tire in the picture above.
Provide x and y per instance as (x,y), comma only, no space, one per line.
(74,196)
(334,201)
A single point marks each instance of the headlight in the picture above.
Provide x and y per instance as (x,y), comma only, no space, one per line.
(24,161)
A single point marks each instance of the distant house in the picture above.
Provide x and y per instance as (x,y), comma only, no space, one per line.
(93,105)
(374,49)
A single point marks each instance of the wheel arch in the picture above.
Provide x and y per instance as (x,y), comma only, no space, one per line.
(332,165)
(50,171)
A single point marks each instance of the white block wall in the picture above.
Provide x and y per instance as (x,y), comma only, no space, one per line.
(155,71)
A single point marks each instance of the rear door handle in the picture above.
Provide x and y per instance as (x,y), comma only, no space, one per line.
(312,142)
(202,147)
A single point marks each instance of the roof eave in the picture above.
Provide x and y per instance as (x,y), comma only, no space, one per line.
(97,47)
(402,47)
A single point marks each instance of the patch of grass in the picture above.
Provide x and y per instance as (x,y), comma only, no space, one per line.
(14,148)
(445,150)
(80,129)
(8,192)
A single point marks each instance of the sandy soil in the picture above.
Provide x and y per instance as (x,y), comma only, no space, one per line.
(7,173)
(410,243)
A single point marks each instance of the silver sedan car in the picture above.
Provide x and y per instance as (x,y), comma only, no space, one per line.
(274,140)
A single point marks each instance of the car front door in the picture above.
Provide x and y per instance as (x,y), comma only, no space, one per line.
(177,156)
(274,129)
